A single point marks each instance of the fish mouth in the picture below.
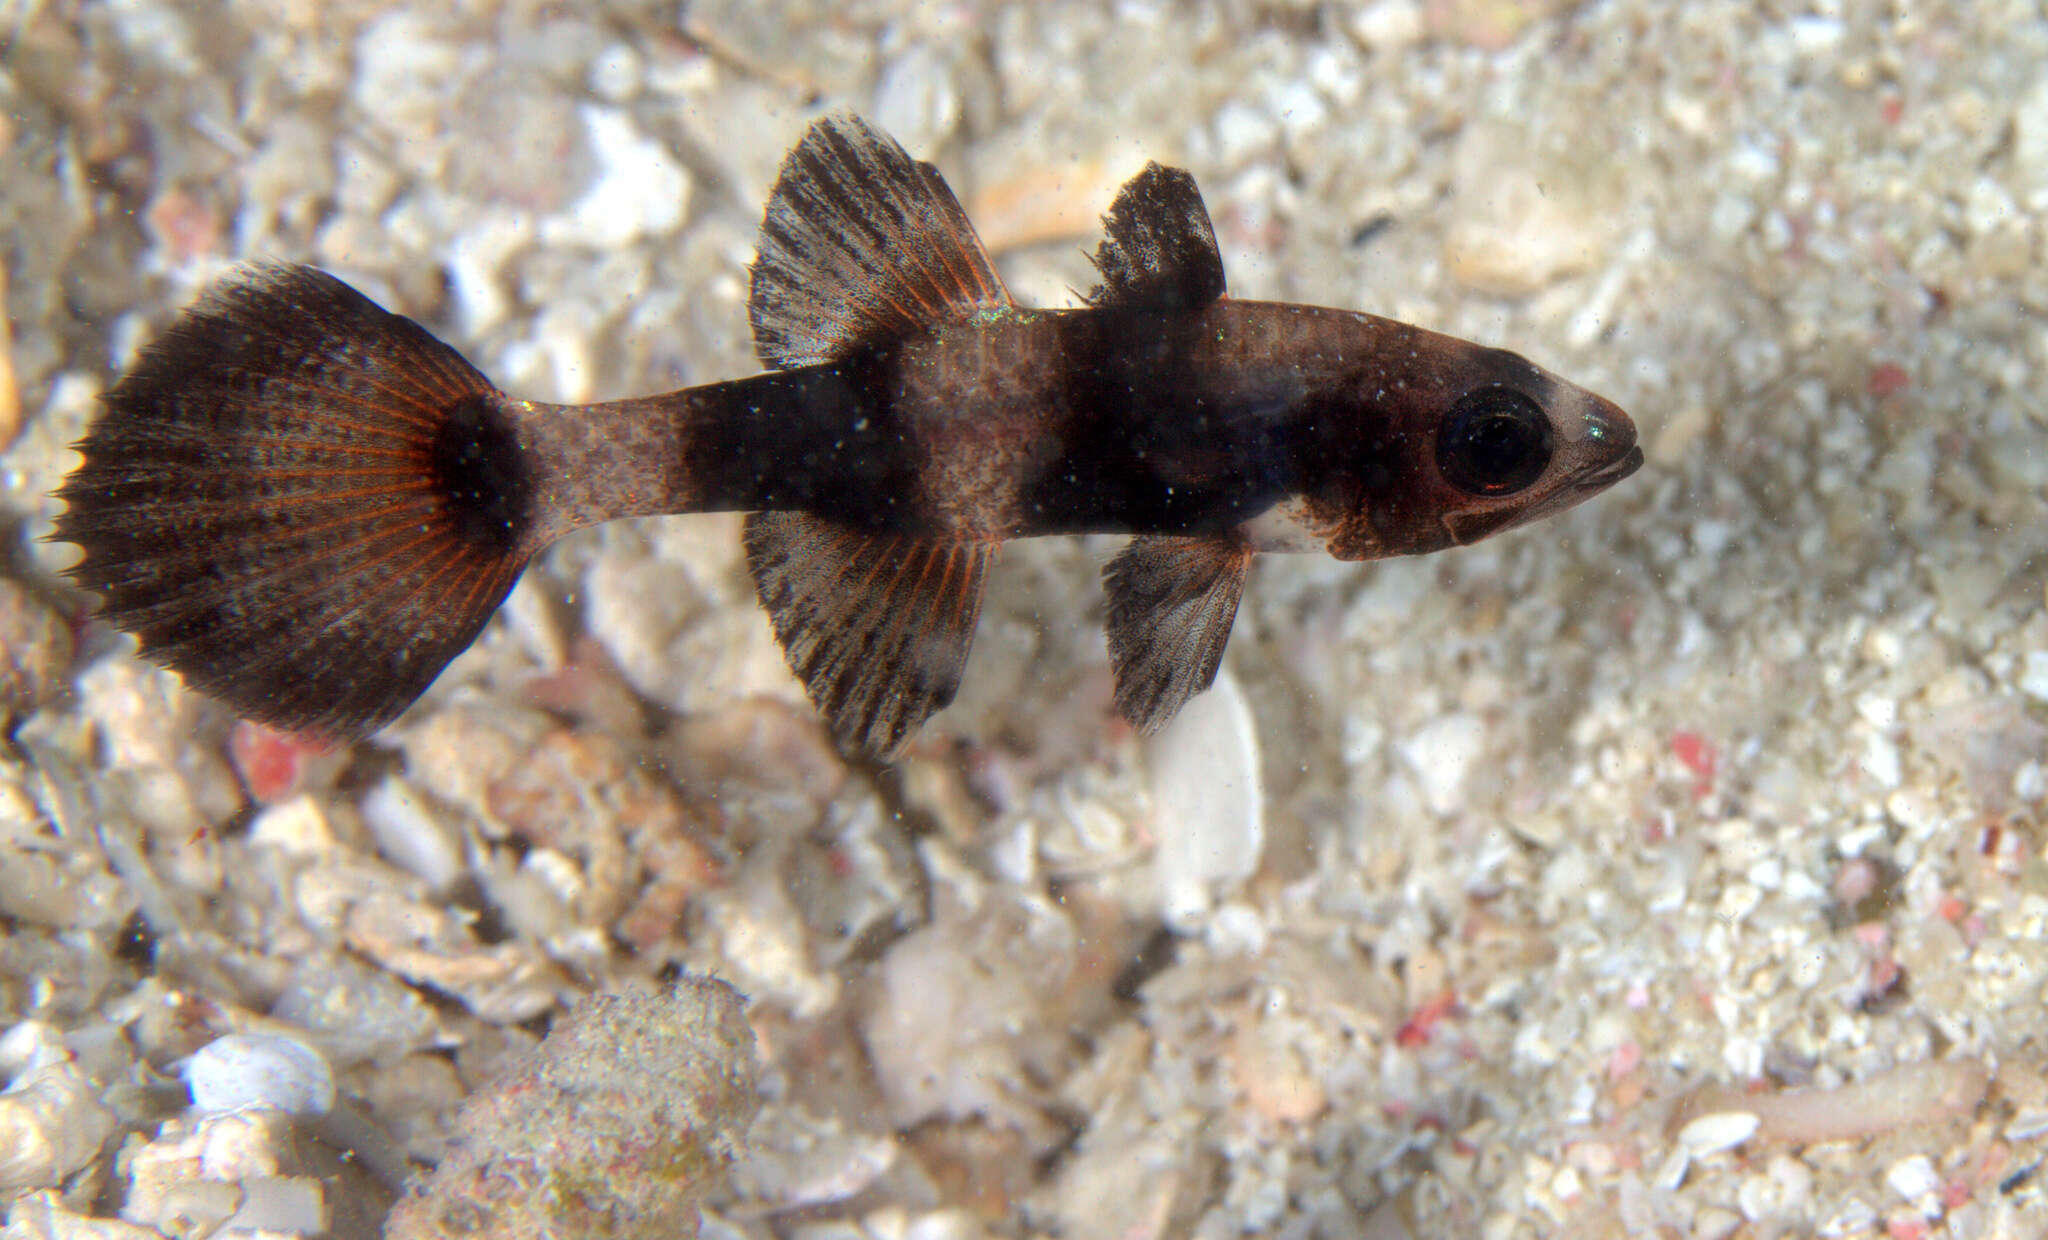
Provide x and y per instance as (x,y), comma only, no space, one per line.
(1612,472)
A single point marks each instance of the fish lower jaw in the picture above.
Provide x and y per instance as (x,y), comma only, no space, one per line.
(1608,475)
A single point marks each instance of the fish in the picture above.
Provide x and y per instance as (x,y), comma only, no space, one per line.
(307,505)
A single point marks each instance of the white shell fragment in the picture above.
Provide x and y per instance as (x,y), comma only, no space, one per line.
(1208,803)
(1721,1130)
(260,1071)
(410,834)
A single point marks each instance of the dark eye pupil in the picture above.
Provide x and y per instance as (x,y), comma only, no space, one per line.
(1495,442)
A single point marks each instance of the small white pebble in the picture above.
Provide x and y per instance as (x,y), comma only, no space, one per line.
(1752,162)
(1794,1180)
(1671,1172)
(1881,760)
(1711,538)
(28,1046)
(2034,675)
(1237,929)
(1209,796)
(1914,810)
(1714,1223)
(2030,782)
(1913,1178)
(641,191)
(1855,841)
(617,73)
(297,826)
(1853,1218)
(1814,36)
(1390,25)
(1883,647)
(410,834)
(1757,1197)
(2029,1123)
(1717,1131)
(260,1070)
(1443,753)
(1596,1157)
(280,1205)
(1878,710)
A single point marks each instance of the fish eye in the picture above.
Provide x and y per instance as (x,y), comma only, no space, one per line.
(1496,441)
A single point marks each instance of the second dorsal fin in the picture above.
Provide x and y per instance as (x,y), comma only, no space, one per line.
(1160,253)
(861,244)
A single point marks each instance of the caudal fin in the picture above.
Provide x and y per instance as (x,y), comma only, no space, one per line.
(304,504)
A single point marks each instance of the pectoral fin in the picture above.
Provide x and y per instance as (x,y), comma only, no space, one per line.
(1172,600)
(876,625)
(861,244)
(1161,249)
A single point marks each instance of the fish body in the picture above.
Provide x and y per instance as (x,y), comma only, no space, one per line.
(1022,423)
(308,505)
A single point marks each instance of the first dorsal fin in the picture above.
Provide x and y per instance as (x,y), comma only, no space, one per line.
(1160,253)
(861,244)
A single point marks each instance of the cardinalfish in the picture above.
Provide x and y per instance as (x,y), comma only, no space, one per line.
(308,505)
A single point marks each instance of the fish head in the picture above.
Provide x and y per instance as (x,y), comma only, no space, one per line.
(1478,441)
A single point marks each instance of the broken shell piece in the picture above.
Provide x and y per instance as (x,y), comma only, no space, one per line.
(762,937)
(35,639)
(52,1124)
(955,1024)
(223,1174)
(30,1045)
(389,920)
(268,1071)
(796,1160)
(43,1216)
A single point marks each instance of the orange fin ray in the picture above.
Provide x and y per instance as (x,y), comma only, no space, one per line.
(876,625)
(225,525)
(861,244)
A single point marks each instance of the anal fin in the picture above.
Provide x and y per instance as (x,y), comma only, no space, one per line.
(876,625)
(1172,600)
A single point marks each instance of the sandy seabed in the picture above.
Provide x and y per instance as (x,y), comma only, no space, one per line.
(1671,868)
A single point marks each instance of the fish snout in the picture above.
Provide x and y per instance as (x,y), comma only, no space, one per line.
(1610,443)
